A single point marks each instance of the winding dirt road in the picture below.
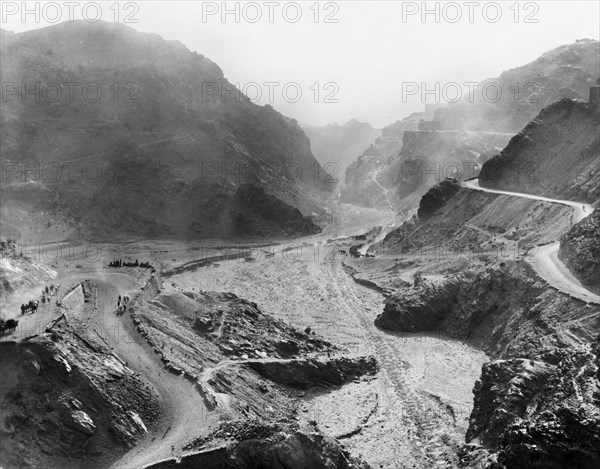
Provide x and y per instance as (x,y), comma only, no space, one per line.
(184,414)
(545,259)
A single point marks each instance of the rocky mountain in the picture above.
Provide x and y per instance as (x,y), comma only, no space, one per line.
(336,146)
(405,163)
(397,170)
(70,400)
(106,130)
(468,267)
(361,185)
(468,255)
(508,102)
(555,155)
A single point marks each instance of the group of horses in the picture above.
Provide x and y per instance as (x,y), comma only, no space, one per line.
(11,324)
(121,263)
(8,326)
(31,306)
(34,304)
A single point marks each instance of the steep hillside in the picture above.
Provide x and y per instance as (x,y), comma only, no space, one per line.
(125,128)
(406,163)
(361,185)
(472,221)
(340,144)
(397,166)
(69,401)
(508,102)
(556,155)
(466,268)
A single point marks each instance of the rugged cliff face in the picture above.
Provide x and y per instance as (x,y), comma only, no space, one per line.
(536,404)
(67,400)
(580,249)
(108,130)
(541,413)
(428,157)
(506,309)
(556,155)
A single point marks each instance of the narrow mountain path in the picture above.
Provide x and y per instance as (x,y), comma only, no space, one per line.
(545,259)
(385,191)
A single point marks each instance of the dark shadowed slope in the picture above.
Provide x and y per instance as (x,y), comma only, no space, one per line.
(144,120)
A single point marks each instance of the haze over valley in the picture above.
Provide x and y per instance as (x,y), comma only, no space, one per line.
(371,275)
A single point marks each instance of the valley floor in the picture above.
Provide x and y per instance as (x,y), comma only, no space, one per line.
(419,406)
(414,414)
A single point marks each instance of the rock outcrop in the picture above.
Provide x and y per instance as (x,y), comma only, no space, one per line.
(68,401)
(505,308)
(307,373)
(580,249)
(436,197)
(251,445)
(503,394)
(541,413)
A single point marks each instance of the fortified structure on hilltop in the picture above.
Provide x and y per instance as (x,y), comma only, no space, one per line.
(595,93)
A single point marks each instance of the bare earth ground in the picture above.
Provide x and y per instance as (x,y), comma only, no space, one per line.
(412,415)
(423,396)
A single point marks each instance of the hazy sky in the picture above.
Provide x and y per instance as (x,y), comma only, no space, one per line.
(363,61)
